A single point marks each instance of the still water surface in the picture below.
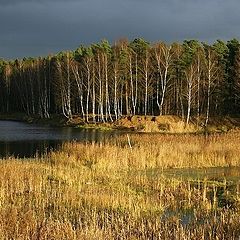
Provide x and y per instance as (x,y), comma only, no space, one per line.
(25,140)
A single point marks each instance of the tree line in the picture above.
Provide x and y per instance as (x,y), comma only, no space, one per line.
(103,82)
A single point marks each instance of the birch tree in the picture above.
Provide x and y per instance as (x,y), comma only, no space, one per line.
(164,57)
(63,78)
(212,74)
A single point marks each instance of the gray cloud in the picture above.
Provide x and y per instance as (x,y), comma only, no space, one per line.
(40,27)
(19,2)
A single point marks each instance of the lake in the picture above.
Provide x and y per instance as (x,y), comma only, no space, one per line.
(21,139)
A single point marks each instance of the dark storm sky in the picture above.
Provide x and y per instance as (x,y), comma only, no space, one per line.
(41,27)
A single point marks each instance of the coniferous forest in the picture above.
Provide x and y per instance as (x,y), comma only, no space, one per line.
(103,82)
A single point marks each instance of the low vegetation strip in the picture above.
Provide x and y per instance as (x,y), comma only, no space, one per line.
(107,191)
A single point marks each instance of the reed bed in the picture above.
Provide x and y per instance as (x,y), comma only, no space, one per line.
(106,191)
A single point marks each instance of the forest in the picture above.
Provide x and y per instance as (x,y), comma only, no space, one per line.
(103,82)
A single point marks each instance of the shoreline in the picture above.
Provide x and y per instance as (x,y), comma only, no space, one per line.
(167,124)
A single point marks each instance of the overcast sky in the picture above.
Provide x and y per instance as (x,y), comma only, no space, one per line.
(42,27)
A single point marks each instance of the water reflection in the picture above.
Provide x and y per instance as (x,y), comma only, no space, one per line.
(26,140)
(23,149)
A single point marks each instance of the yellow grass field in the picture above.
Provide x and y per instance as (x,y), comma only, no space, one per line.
(107,191)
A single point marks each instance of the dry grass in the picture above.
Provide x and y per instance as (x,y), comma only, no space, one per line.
(162,124)
(105,191)
(175,124)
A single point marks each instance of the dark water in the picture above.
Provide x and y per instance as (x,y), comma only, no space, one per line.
(26,140)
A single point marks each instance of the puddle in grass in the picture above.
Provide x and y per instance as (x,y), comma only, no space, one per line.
(224,181)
